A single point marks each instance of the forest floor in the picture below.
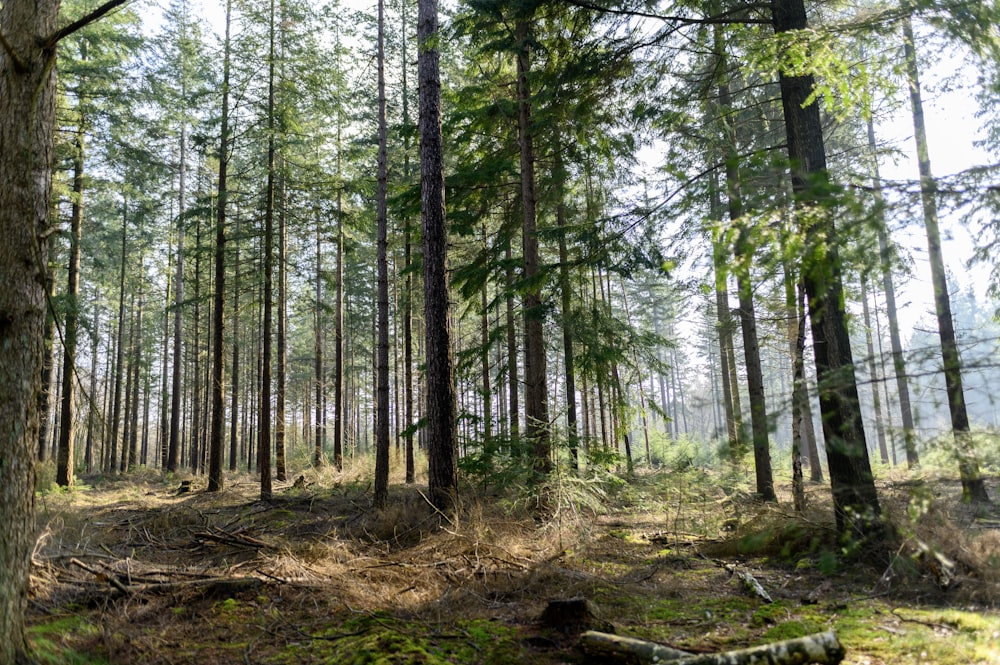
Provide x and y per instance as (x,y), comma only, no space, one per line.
(131,571)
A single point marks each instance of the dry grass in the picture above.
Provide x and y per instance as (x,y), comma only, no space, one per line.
(159,577)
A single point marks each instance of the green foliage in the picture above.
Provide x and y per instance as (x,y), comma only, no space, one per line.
(972,22)
(940,453)
(505,468)
(600,459)
(681,454)
(498,463)
(842,84)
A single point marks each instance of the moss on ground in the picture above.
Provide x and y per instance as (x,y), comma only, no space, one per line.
(48,641)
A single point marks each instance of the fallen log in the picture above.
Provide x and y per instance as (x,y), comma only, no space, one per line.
(819,648)
(604,646)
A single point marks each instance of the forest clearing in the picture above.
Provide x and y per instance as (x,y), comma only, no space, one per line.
(133,572)
(419,331)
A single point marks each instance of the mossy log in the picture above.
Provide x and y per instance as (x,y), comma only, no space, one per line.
(819,648)
(607,647)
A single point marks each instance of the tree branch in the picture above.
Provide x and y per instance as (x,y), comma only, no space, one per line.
(82,22)
(18,63)
(686,20)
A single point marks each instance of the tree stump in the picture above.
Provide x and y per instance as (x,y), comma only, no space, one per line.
(573,615)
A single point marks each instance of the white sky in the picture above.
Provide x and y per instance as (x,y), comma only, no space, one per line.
(952,131)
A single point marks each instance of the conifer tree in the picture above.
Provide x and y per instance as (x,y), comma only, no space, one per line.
(215,455)
(973,486)
(855,501)
(382,362)
(441,434)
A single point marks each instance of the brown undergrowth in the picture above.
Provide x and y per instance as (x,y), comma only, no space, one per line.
(133,572)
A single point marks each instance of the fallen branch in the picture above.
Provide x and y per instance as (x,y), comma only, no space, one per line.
(753,586)
(102,577)
(820,648)
(231,538)
(929,624)
(223,587)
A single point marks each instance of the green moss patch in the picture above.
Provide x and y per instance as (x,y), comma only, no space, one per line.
(48,641)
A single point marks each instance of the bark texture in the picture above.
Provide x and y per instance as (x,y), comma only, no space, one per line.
(536,393)
(173,447)
(215,445)
(407,263)
(441,439)
(382,380)
(27,115)
(264,420)
(822,648)
(64,454)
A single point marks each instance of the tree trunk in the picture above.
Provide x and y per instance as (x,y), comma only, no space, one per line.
(264,419)
(973,486)
(122,462)
(195,450)
(566,296)
(856,506)
(92,417)
(796,342)
(176,393)
(340,410)
(885,261)
(639,386)
(802,417)
(234,405)
(215,445)
(873,371)
(49,362)
(281,341)
(397,402)
(513,382)
(318,353)
(536,393)
(27,116)
(407,267)
(162,434)
(281,365)
(724,326)
(484,340)
(601,371)
(116,409)
(147,393)
(743,251)
(104,464)
(135,351)
(64,462)
(442,472)
(381,498)
(755,375)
